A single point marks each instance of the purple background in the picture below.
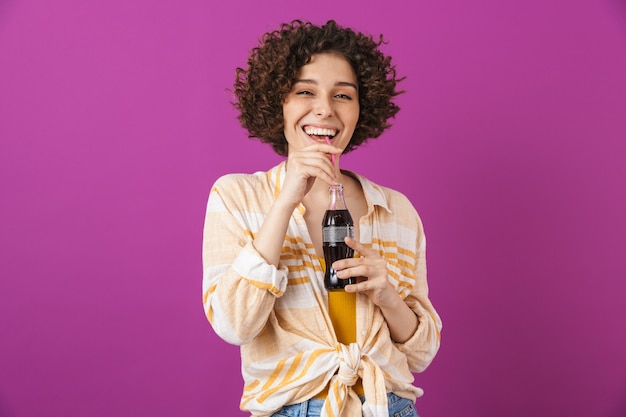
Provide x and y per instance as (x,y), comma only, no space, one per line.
(115,121)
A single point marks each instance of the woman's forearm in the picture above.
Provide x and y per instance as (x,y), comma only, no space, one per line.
(401,320)
(271,237)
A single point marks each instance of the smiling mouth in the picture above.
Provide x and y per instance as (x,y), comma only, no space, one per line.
(319,134)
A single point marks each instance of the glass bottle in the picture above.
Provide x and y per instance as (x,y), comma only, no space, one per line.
(337,224)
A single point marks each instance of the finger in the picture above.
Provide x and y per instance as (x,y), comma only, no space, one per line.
(342,264)
(311,157)
(322,148)
(328,179)
(329,153)
(355,271)
(312,165)
(361,248)
(362,286)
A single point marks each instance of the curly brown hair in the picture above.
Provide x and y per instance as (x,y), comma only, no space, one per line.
(261,89)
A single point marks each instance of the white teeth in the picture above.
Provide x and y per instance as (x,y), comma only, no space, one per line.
(319,131)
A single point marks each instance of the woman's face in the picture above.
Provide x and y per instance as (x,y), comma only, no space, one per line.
(323,102)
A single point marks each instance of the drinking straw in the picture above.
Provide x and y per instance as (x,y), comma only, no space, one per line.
(332,159)
(332,155)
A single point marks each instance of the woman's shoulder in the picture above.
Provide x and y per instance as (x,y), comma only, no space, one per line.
(237,190)
(240,181)
(384,195)
(231,179)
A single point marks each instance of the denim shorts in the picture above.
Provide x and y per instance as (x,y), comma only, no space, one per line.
(398,407)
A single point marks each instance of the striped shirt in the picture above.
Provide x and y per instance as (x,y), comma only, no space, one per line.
(279,315)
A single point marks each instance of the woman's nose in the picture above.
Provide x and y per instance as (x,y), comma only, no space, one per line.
(323,108)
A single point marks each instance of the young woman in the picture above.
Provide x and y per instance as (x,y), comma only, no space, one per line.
(315,93)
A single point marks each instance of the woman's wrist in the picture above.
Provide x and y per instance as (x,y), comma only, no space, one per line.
(284,204)
(401,320)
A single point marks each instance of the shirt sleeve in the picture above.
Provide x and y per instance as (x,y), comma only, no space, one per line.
(422,347)
(239,287)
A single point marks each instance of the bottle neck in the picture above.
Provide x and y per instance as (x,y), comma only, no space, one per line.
(336,200)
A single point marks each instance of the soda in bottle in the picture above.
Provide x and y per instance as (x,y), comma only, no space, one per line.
(337,224)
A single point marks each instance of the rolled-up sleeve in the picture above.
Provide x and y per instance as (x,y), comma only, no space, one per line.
(422,347)
(239,287)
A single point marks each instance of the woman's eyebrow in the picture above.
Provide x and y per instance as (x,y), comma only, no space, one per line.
(346,84)
(338,83)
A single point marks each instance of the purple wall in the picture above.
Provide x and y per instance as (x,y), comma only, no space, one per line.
(114,122)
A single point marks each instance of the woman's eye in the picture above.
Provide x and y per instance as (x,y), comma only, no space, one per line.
(344,96)
(304,93)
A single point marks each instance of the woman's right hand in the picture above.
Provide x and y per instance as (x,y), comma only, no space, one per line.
(306,165)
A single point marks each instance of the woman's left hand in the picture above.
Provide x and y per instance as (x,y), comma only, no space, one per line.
(371,272)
